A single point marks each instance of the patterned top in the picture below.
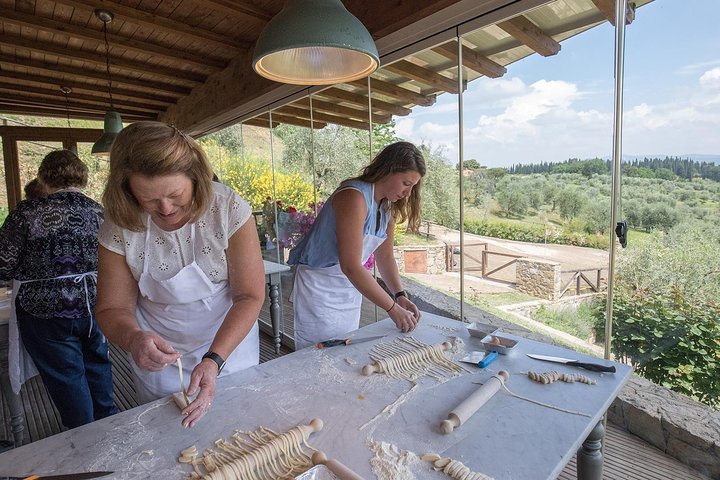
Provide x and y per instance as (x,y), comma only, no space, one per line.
(51,237)
(168,252)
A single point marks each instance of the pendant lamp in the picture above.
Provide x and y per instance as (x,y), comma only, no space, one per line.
(315,42)
(112,123)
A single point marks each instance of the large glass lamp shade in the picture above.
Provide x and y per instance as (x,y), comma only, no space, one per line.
(315,42)
(112,126)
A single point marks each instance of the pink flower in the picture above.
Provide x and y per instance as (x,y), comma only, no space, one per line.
(370,262)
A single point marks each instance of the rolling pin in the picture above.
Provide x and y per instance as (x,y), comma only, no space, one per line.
(339,469)
(472,404)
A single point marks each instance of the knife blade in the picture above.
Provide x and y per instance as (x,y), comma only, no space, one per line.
(64,476)
(345,341)
(594,367)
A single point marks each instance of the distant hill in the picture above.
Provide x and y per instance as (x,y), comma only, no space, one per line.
(698,157)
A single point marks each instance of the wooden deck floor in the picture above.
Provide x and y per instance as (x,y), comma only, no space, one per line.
(626,456)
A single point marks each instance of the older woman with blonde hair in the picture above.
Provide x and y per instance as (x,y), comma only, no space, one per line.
(180,271)
(49,246)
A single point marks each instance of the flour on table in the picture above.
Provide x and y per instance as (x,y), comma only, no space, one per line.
(444,328)
(390,409)
(391,463)
(350,361)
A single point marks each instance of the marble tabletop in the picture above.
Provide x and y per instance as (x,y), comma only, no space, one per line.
(508,438)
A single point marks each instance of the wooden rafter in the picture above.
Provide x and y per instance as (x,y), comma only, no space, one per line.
(607,7)
(54,94)
(102,76)
(33,101)
(57,112)
(239,7)
(423,75)
(93,58)
(349,112)
(83,33)
(472,60)
(304,114)
(75,85)
(156,22)
(529,34)
(395,91)
(378,106)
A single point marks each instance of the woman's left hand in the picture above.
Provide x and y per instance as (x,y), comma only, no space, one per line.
(204,376)
(409,305)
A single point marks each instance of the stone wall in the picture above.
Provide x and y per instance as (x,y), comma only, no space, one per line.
(538,278)
(435,256)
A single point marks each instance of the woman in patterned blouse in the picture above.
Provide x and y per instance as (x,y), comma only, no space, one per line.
(181,272)
(49,246)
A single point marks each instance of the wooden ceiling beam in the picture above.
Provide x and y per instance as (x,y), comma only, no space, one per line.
(349,112)
(607,7)
(59,113)
(49,134)
(260,121)
(117,91)
(472,60)
(116,62)
(102,76)
(303,113)
(391,90)
(33,101)
(54,94)
(529,34)
(237,7)
(75,31)
(423,75)
(158,23)
(378,106)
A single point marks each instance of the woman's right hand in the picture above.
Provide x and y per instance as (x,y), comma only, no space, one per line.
(404,319)
(150,351)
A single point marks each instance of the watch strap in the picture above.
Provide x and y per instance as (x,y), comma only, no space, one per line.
(401,293)
(215,358)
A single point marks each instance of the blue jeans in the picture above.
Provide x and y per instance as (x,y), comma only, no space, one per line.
(74,367)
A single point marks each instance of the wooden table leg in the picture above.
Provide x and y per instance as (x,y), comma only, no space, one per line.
(589,456)
(17,417)
(274,293)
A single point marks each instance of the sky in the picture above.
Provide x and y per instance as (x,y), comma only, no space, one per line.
(549,109)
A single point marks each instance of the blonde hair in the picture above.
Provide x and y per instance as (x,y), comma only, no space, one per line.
(62,169)
(153,149)
(399,157)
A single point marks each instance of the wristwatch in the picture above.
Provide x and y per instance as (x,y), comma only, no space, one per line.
(401,293)
(215,358)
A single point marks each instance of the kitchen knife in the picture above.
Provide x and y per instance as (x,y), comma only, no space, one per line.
(595,367)
(346,341)
(65,476)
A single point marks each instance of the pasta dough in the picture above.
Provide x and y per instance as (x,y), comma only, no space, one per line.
(453,468)
(553,376)
(261,454)
(409,359)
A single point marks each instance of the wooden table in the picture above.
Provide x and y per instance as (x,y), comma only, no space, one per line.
(508,438)
(272,278)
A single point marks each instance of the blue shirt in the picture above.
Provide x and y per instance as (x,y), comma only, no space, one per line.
(319,248)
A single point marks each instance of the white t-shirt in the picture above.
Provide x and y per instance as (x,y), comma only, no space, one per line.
(168,252)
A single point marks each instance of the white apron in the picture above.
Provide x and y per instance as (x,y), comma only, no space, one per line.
(187,311)
(326,304)
(20,364)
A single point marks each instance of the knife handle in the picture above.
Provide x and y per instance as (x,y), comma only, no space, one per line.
(594,367)
(332,343)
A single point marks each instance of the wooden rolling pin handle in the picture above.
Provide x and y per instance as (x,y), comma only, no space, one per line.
(371,368)
(446,345)
(461,413)
(315,426)
(339,469)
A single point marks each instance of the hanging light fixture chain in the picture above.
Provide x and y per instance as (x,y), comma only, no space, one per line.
(107,65)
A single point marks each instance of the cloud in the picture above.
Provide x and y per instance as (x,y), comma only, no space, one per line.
(710,79)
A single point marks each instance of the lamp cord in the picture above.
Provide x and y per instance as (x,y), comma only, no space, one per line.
(107,66)
(67,107)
